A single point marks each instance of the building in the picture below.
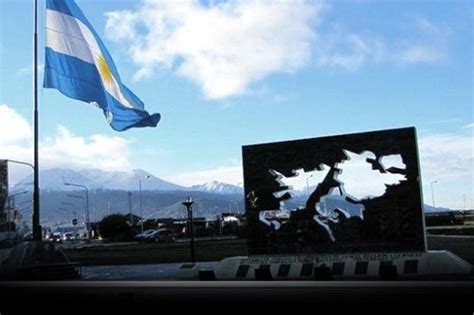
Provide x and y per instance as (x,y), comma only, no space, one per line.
(3,189)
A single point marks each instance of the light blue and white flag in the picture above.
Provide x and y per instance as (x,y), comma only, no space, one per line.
(79,66)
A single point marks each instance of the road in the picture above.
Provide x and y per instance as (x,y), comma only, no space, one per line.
(4,252)
(153,253)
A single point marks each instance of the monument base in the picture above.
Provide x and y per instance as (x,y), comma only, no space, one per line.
(188,271)
(362,266)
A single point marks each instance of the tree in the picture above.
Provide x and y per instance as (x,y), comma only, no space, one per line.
(115,228)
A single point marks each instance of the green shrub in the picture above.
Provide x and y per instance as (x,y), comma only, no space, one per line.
(114,228)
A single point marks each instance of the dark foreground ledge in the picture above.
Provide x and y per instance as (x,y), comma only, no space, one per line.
(394,294)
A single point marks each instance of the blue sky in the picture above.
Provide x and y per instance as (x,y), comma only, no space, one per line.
(224,75)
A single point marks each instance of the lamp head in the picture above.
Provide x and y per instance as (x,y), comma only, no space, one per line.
(145,178)
(188,201)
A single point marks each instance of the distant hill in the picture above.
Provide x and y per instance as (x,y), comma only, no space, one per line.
(429,209)
(218,187)
(53,180)
(155,204)
(108,192)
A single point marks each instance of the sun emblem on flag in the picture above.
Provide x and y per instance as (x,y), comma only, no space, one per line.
(104,70)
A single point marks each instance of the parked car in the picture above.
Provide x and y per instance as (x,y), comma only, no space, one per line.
(69,236)
(56,237)
(161,235)
(28,236)
(143,235)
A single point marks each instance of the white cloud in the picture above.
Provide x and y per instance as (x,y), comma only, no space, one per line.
(438,32)
(15,141)
(430,45)
(444,157)
(222,47)
(97,151)
(425,42)
(28,70)
(13,127)
(447,156)
(418,54)
(348,50)
(64,149)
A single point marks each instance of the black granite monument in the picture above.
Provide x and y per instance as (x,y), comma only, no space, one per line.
(357,193)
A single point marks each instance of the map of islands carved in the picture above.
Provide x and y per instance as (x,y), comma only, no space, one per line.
(348,193)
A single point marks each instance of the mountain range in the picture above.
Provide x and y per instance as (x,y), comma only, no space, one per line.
(218,187)
(117,192)
(55,179)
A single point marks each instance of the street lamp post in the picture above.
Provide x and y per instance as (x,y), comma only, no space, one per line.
(130,207)
(68,204)
(188,202)
(87,205)
(140,199)
(73,206)
(68,210)
(83,201)
(432,193)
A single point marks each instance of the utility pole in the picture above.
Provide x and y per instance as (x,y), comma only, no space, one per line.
(87,206)
(432,193)
(130,207)
(140,200)
(37,235)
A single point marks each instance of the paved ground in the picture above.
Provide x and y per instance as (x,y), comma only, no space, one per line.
(159,261)
(461,245)
(82,244)
(153,253)
(4,252)
(135,272)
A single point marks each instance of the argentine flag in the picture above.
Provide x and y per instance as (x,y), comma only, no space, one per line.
(79,66)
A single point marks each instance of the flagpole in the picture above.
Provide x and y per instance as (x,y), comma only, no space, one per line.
(36,196)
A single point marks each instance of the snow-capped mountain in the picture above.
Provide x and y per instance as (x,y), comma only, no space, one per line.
(53,179)
(108,191)
(429,209)
(218,188)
